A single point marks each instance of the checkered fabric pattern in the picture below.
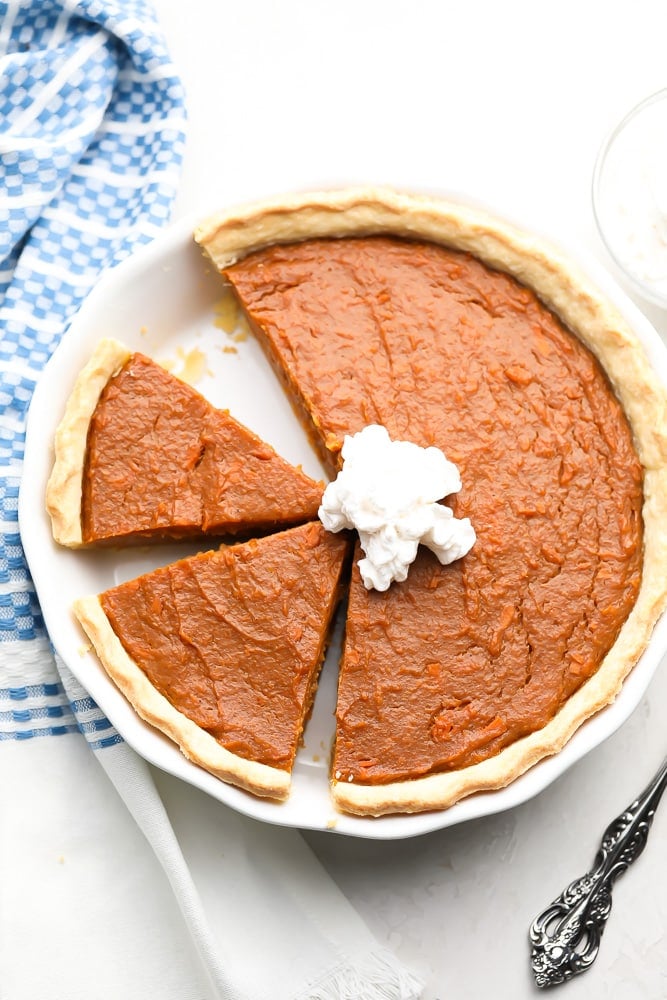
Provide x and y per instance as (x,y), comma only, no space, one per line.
(92,129)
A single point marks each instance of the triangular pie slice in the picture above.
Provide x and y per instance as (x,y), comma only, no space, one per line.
(141,455)
(221,651)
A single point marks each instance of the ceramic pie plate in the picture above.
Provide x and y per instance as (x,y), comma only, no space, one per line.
(168,302)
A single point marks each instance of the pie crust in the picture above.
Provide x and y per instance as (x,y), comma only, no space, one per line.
(195,743)
(65,486)
(598,324)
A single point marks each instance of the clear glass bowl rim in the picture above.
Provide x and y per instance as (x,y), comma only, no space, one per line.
(645,290)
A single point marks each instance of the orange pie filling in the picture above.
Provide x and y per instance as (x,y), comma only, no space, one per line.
(234,638)
(463,675)
(448,668)
(161,462)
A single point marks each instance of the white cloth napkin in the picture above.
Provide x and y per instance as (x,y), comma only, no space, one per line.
(92,127)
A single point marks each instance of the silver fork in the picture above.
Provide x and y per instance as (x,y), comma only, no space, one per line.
(565,937)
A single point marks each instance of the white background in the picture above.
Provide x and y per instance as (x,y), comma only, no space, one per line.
(507,102)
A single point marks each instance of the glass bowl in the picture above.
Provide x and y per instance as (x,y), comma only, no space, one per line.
(630,197)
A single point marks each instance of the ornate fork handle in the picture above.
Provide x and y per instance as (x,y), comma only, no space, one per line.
(565,937)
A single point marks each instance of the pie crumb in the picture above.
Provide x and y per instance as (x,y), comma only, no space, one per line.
(226,312)
(189,366)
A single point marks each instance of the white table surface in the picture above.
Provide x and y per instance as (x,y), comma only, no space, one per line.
(508,102)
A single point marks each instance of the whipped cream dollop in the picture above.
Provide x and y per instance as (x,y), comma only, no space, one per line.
(388,490)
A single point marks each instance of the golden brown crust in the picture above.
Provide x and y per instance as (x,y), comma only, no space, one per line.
(196,744)
(64,489)
(575,300)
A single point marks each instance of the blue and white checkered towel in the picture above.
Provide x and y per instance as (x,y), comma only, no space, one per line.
(91,140)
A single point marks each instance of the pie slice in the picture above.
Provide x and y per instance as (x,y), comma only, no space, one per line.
(453,329)
(141,455)
(222,651)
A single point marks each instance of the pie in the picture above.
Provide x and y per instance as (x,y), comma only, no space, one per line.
(449,328)
(221,651)
(452,329)
(141,455)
